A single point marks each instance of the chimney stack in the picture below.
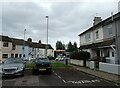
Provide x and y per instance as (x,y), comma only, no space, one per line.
(29,40)
(97,20)
(40,41)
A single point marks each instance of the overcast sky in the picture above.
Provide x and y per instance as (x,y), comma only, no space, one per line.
(67,18)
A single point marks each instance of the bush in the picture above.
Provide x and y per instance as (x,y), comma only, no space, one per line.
(82,55)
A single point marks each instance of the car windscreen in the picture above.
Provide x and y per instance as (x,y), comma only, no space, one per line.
(38,60)
(12,60)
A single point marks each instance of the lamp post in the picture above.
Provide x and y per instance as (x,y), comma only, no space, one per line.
(47,19)
(24,44)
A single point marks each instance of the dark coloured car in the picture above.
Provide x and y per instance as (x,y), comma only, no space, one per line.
(51,58)
(41,65)
(12,67)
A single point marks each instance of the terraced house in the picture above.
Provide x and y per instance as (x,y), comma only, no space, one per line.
(12,47)
(101,40)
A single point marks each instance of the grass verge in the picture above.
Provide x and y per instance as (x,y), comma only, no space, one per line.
(54,65)
(29,65)
(59,65)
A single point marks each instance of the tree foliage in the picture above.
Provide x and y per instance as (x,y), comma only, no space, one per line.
(60,46)
(72,48)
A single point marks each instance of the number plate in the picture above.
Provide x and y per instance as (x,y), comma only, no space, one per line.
(8,73)
(42,69)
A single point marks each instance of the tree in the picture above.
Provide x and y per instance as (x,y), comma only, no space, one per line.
(60,46)
(70,47)
(63,46)
(75,46)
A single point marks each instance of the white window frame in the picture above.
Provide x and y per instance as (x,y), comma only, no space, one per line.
(97,34)
(5,43)
(110,29)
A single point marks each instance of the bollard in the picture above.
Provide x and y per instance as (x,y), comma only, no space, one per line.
(66,61)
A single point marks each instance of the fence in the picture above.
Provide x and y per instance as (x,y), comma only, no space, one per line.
(110,68)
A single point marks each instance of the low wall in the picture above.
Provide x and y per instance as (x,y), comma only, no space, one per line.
(88,64)
(110,68)
(92,65)
(77,62)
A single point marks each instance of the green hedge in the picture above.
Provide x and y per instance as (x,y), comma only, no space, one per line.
(82,55)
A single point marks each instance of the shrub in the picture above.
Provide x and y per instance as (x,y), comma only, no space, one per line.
(82,55)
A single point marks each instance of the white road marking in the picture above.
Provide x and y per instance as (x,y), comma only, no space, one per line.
(64,81)
(77,82)
(59,77)
(83,81)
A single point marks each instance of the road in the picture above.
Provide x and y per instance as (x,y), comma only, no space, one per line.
(59,77)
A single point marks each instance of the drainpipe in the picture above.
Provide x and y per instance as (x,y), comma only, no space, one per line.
(116,45)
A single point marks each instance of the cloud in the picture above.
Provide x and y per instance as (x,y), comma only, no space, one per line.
(66,19)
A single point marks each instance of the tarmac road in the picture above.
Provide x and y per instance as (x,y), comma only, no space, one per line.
(59,77)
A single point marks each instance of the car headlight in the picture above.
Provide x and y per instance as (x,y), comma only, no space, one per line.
(19,69)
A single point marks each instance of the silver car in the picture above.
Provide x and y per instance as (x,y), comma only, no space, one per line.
(12,67)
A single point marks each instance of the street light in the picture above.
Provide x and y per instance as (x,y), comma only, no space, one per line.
(24,44)
(47,18)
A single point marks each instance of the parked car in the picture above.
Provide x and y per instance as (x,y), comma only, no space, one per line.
(60,58)
(12,67)
(41,65)
(57,58)
(51,58)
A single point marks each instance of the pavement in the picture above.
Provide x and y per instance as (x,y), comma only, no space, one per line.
(104,75)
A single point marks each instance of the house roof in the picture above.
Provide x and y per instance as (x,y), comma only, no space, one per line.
(102,23)
(100,44)
(5,38)
(21,42)
(18,41)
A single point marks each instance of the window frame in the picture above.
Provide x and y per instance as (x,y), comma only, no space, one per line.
(5,44)
(4,56)
(97,34)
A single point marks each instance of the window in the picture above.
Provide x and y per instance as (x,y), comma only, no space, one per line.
(5,44)
(16,55)
(38,49)
(23,47)
(20,55)
(13,47)
(23,55)
(12,55)
(108,53)
(101,53)
(5,56)
(110,29)
(113,54)
(87,37)
(97,35)
(32,49)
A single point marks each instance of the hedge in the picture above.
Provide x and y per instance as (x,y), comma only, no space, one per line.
(82,55)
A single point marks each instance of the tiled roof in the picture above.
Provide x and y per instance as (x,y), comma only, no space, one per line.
(21,42)
(18,41)
(5,38)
